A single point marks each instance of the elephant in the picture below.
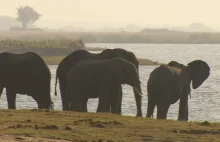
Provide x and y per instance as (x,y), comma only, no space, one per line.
(72,59)
(169,83)
(25,73)
(100,78)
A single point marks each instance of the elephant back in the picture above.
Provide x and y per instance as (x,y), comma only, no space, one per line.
(108,54)
(69,61)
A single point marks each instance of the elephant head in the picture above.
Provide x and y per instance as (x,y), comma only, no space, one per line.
(127,55)
(128,74)
(130,57)
(199,72)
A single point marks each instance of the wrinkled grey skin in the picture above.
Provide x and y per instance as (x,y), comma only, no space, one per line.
(72,59)
(27,74)
(169,83)
(93,78)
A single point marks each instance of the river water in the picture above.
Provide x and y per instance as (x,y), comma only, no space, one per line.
(205,101)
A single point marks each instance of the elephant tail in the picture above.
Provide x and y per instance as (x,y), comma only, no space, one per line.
(55,91)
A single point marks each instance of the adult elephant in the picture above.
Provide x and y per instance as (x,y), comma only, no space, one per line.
(169,83)
(27,74)
(68,62)
(100,78)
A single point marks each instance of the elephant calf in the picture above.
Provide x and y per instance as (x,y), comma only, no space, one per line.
(169,83)
(100,78)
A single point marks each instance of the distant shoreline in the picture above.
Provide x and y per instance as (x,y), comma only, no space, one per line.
(118,37)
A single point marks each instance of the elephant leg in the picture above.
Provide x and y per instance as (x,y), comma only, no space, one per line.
(138,100)
(104,93)
(119,100)
(103,106)
(34,96)
(162,110)
(104,103)
(163,105)
(64,97)
(183,108)
(74,106)
(83,107)
(150,107)
(40,102)
(116,98)
(187,113)
(11,97)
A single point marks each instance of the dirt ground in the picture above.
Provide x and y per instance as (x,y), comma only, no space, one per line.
(10,138)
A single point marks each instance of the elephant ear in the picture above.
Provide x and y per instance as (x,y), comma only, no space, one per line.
(127,55)
(133,59)
(199,72)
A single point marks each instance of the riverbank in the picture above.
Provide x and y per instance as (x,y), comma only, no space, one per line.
(43,125)
(55,60)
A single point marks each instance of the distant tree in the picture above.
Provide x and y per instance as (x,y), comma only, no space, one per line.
(27,15)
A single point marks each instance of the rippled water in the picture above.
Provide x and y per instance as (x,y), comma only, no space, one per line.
(205,101)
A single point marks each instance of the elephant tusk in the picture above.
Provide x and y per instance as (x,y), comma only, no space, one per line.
(140,81)
(190,95)
(139,93)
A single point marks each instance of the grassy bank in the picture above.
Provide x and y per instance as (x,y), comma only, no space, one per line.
(177,37)
(57,125)
(55,60)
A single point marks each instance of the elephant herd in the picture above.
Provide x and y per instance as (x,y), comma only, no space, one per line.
(83,75)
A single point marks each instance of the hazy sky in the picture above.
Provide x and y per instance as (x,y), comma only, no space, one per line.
(120,12)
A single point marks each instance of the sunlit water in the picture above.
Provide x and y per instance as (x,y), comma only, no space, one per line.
(205,101)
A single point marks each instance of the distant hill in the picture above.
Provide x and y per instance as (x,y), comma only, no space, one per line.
(147,30)
(195,27)
(199,27)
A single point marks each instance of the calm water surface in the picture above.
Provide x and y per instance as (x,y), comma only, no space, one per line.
(205,101)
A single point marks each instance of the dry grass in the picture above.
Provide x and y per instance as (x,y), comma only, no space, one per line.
(59,125)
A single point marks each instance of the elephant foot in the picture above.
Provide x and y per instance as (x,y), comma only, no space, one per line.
(182,119)
(151,116)
(139,114)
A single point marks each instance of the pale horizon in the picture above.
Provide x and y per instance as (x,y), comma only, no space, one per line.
(119,13)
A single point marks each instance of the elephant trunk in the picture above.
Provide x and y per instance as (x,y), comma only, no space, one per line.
(183,108)
(138,96)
